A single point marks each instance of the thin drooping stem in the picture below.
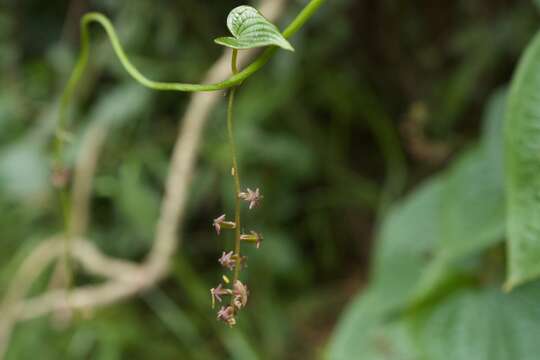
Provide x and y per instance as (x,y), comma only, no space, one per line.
(235,173)
(234,65)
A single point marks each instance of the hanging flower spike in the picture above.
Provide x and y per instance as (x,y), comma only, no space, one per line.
(253,237)
(253,197)
(240,293)
(226,260)
(226,314)
(220,222)
(217,292)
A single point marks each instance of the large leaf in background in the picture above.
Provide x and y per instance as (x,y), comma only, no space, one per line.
(474,208)
(482,325)
(493,134)
(251,30)
(473,213)
(423,241)
(522,148)
(365,333)
(470,323)
(427,241)
(452,216)
(408,239)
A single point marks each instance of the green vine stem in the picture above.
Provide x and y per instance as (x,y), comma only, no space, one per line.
(82,61)
(235,173)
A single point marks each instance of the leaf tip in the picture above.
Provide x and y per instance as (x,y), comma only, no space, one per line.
(285,45)
(220,40)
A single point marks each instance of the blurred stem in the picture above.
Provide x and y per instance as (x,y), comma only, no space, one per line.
(66,208)
(230,130)
(60,163)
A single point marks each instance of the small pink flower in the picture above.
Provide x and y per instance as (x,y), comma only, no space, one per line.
(217,223)
(220,222)
(253,197)
(217,292)
(226,314)
(227,260)
(253,237)
(240,293)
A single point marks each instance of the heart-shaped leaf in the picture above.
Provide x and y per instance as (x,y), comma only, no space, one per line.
(251,30)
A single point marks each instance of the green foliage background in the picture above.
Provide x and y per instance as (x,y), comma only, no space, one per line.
(384,128)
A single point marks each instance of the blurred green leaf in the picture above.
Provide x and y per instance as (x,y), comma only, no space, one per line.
(407,243)
(473,212)
(24,172)
(424,241)
(367,333)
(482,325)
(137,202)
(493,133)
(522,147)
(457,214)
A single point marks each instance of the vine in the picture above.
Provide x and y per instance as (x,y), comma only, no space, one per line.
(261,33)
